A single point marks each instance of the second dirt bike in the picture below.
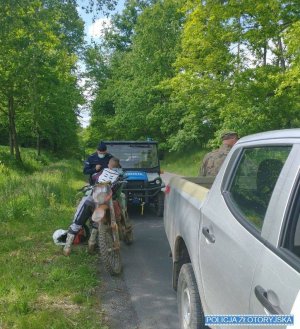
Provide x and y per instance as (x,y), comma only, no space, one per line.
(113,224)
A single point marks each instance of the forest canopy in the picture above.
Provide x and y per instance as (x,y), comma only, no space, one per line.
(184,71)
(180,72)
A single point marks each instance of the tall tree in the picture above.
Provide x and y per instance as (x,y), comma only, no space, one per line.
(38,44)
(136,67)
(230,70)
(182,71)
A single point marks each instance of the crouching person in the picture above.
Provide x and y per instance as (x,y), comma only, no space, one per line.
(86,208)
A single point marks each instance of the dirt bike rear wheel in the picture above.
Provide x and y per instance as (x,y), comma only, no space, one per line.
(110,256)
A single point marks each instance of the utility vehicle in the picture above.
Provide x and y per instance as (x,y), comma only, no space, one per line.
(140,162)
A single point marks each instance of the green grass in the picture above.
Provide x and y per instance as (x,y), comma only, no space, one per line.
(185,163)
(39,287)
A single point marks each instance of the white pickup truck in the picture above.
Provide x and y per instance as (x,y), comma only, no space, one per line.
(236,243)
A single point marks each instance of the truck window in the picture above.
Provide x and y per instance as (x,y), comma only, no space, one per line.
(291,237)
(254,181)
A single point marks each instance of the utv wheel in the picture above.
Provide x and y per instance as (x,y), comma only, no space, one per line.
(128,234)
(159,205)
(121,230)
(110,256)
(190,311)
(128,238)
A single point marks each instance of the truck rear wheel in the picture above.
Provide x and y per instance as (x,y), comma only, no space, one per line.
(190,311)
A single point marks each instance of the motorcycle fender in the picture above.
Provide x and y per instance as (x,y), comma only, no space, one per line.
(99,213)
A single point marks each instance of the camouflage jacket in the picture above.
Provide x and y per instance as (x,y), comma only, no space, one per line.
(213,161)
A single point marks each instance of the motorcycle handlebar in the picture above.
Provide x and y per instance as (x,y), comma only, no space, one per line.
(122,182)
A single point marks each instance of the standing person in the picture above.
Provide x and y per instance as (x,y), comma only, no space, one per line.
(212,161)
(96,162)
(86,207)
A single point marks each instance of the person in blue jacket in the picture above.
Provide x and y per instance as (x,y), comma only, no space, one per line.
(96,162)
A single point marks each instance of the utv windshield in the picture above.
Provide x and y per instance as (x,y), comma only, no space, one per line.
(135,155)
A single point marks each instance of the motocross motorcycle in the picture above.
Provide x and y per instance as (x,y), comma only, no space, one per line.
(113,223)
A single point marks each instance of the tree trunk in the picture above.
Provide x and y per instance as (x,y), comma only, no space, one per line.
(10,137)
(12,129)
(281,55)
(239,45)
(265,55)
(38,143)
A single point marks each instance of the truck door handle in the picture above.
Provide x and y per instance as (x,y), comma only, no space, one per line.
(210,237)
(262,295)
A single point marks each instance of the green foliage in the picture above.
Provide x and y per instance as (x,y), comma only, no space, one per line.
(268,110)
(39,43)
(120,37)
(130,95)
(231,71)
(178,71)
(40,288)
(183,72)
(184,163)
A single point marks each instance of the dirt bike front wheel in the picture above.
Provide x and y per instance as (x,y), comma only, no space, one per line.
(109,254)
